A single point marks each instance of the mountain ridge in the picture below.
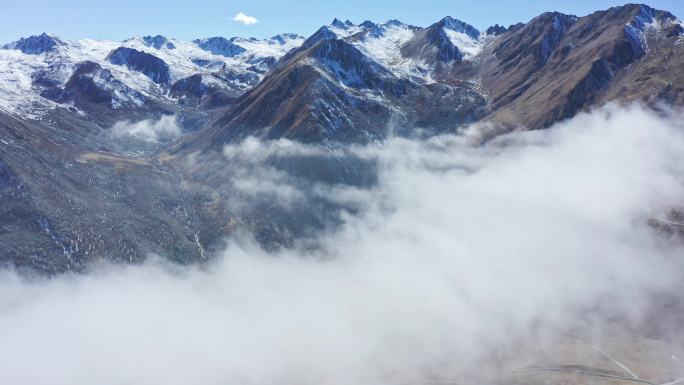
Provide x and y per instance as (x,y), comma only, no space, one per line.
(346,84)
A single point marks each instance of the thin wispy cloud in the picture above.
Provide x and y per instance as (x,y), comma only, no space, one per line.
(245,19)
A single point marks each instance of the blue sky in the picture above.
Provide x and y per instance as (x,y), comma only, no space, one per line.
(189,19)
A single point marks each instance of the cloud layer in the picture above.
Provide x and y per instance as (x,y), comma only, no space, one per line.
(454,255)
(164,129)
(244,19)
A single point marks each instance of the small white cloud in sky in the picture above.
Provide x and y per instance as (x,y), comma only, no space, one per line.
(244,19)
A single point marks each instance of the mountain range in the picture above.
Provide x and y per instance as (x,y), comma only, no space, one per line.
(86,175)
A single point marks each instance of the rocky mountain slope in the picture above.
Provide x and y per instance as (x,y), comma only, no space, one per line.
(354,82)
(63,105)
(557,65)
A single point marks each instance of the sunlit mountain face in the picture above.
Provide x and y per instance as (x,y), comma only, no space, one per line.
(377,203)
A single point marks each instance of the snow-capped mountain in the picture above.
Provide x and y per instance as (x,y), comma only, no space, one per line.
(33,68)
(383,43)
(351,82)
(155,75)
(346,83)
(37,71)
(35,45)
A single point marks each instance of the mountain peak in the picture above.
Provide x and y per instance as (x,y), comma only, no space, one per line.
(641,9)
(646,15)
(460,26)
(557,18)
(323,33)
(495,30)
(343,25)
(338,23)
(368,25)
(158,42)
(143,62)
(219,46)
(289,36)
(36,44)
(394,22)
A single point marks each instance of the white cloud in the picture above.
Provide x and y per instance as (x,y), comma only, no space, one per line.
(459,254)
(244,19)
(164,129)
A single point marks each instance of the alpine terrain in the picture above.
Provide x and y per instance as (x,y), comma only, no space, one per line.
(374,204)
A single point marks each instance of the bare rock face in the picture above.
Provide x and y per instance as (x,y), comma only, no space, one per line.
(220,46)
(189,90)
(149,65)
(158,42)
(35,45)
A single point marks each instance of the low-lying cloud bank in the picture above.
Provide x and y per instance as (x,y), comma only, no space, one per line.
(164,129)
(456,253)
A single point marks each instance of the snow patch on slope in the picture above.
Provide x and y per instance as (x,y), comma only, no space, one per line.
(16,95)
(384,47)
(468,46)
(383,44)
(649,22)
(276,46)
(344,29)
